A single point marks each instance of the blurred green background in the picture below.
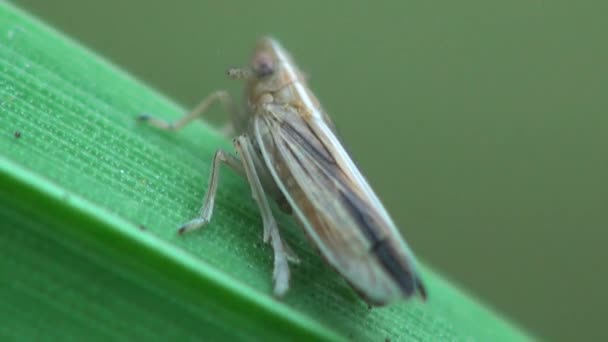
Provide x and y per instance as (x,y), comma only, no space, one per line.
(482,125)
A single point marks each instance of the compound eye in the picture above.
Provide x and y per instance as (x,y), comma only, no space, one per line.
(263,65)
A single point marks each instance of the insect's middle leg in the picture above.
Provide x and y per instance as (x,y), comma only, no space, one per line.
(281,253)
(209,201)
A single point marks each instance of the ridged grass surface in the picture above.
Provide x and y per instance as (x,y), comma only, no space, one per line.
(90,202)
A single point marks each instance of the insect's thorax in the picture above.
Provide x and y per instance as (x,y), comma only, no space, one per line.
(284,89)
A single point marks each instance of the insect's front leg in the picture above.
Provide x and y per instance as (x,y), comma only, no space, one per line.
(209,201)
(198,112)
(281,268)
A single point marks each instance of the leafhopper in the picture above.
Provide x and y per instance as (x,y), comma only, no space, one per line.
(288,151)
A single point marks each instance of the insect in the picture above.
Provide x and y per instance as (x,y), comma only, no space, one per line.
(288,151)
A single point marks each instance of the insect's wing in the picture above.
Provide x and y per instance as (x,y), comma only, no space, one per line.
(336,207)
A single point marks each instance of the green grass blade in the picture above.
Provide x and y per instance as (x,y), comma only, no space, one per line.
(83,179)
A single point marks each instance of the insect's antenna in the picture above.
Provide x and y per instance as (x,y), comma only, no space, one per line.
(239,73)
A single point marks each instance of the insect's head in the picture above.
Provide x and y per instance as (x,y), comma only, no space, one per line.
(271,68)
(266,58)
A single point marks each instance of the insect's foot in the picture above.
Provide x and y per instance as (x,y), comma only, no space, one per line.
(143,117)
(280,276)
(192,225)
(280,272)
(292,257)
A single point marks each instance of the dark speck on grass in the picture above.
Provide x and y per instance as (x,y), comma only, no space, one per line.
(17,134)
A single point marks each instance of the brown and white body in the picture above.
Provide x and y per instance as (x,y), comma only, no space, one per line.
(289,152)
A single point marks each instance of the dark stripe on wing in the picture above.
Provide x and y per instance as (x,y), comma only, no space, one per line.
(381,248)
(294,155)
(315,150)
(312,157)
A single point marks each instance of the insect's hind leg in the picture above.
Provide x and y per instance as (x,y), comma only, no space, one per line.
(198,112)
(282,253)
(206,211)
